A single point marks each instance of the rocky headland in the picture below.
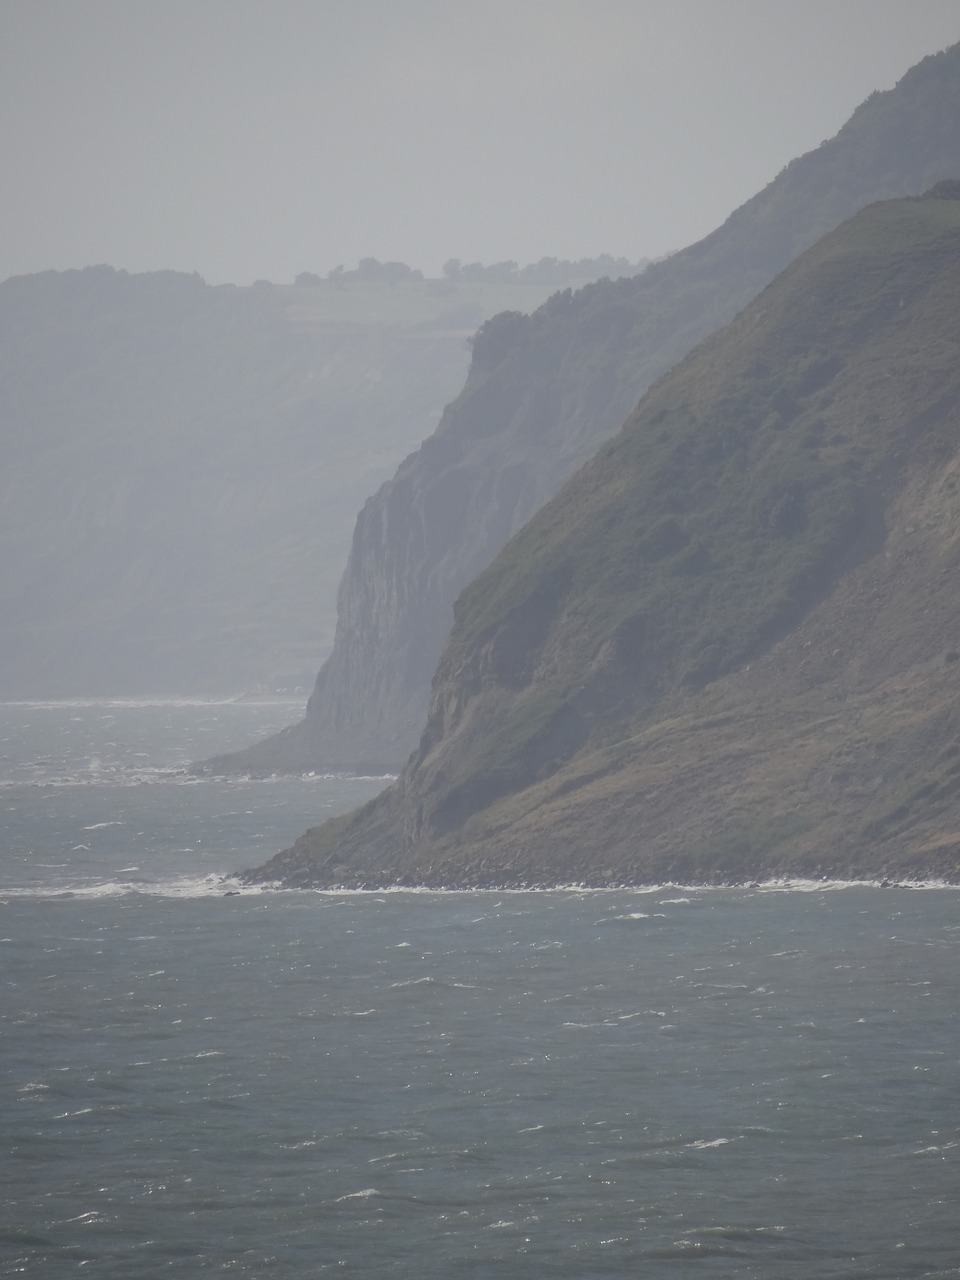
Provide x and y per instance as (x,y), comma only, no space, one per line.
(729,648)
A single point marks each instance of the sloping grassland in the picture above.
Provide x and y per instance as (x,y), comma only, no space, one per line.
(730,647)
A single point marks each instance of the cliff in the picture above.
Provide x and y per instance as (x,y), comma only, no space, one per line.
(543,393)
(729,648)
(183,465)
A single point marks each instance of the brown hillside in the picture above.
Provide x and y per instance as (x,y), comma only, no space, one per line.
(730,647)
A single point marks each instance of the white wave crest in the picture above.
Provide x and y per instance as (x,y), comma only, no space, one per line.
(210,886)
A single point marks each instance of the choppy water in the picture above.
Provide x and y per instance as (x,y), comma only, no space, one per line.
(667,1083)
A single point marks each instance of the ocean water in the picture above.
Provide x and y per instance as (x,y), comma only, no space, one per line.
(662,1083)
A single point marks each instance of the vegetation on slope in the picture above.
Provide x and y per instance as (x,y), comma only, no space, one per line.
(728,602)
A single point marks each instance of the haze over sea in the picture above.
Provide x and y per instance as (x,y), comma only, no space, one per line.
(664,1082)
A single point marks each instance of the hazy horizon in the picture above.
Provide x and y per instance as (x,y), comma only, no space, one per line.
(250,141)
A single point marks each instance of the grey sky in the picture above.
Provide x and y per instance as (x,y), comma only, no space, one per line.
(247,139)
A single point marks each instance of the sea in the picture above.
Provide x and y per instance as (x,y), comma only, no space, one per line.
(204,1079)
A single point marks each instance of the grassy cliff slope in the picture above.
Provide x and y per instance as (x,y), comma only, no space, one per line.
(730,647)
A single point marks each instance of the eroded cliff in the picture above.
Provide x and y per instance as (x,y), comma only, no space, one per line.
(729,647)
(541,397)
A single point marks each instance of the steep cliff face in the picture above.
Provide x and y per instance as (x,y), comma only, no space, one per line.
(183,465)
(501,450)
(729,647)
(544,393)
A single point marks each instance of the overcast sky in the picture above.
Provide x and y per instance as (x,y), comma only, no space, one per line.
(249,139)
